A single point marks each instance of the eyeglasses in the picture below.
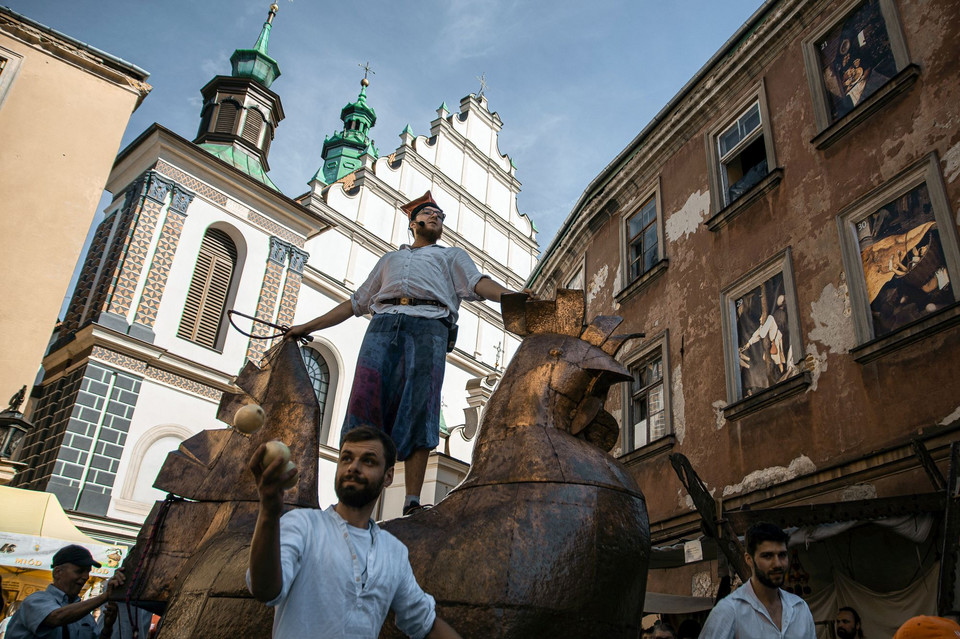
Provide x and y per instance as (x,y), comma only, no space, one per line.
(440,214)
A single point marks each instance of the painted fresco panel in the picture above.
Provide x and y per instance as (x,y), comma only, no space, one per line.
(855,58)
(903,262)
(763,336)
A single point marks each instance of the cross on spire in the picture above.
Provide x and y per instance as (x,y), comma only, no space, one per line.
(483,84)
(499,350)
(366,69)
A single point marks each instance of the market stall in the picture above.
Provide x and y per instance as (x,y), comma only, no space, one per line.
(33,527)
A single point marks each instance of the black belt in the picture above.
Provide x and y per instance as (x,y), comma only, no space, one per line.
(411,301)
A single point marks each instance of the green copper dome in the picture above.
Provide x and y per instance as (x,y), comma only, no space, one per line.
(255,63)
(342,151)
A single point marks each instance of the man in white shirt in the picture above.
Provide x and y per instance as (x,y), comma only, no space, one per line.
(414,294)
(334,573)
(759,609)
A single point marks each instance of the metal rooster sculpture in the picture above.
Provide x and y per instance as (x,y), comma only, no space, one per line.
(546,537)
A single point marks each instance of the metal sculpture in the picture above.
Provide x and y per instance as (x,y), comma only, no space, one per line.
(191,556)
(547,536)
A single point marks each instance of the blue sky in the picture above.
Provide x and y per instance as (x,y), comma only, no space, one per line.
(572,81)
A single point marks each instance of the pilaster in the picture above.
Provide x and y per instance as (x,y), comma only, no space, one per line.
(269,290)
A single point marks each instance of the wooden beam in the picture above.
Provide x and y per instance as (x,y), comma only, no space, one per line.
(936,477)
(949,587)
(719,529)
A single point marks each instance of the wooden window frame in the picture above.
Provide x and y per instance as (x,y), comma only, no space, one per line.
(723,211)
(779,263)
(190,330)
(656,346)
(631,286)
(12,61)
(829,130)
(926,170)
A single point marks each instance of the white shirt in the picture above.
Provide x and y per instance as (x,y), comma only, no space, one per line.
(442,273)
(740,615)
(323,595)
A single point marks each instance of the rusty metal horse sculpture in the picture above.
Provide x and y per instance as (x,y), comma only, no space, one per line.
(546,537)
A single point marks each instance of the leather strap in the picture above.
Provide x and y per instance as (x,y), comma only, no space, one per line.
(411,301)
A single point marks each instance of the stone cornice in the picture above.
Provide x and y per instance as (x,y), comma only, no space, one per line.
(153,356)
(100,63)
(236,196)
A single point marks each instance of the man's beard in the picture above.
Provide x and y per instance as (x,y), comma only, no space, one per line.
(358,496)
(774,581)
(430,234)
(843,633)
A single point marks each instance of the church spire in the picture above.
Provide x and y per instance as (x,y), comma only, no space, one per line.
(342,152)
(240,112)
(255,63)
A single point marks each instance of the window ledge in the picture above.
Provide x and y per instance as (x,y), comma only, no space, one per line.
(915,331)
(742,203)
(767,397)
(655,448)
(897,85)
(642,282)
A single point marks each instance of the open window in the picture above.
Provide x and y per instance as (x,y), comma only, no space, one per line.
(740,154)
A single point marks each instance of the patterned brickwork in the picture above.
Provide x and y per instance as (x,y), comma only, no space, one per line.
(113,254)
(272,227)
(192,183)
(88,275)
(138,366)
(160,268)
(265,309)
(134,256)
(288,303)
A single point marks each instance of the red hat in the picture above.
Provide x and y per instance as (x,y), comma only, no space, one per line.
(415,206)
(926,627)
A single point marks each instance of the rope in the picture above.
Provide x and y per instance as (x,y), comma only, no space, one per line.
(282,328)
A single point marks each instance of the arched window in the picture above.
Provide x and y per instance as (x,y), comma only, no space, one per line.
(207,297)
(319,374)
(227,118)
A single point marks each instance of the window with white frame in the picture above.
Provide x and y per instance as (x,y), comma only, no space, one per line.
(9,65)
(741,154)
(643,239)
(761,335)
(900,251)
(647,404)
(319,373)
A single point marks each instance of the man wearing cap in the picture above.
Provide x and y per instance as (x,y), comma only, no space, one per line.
(414,294)
(58,612)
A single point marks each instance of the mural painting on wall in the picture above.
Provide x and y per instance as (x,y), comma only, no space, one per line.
(855,58)
(763,337)
(903,264)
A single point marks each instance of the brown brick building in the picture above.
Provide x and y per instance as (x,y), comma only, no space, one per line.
(785,233)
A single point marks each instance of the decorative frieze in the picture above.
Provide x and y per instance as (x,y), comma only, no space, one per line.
(275,229)
(191,183)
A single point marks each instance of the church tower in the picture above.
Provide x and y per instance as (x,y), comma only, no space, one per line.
(343,151)
(240,112)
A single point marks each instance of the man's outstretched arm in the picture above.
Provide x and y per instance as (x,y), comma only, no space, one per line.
(442,630)
(339,313)
(266,573)
(490,289)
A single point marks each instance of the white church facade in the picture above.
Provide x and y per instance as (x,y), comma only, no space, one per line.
(197,227)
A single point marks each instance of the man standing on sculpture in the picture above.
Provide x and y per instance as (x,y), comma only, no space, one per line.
(759,609)
(414,294)
(334,573)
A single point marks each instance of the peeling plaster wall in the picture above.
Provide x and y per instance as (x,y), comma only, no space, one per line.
(850,409)
(687,220)
(768,476)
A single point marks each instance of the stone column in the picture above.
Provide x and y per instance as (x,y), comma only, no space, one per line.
(291,287)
